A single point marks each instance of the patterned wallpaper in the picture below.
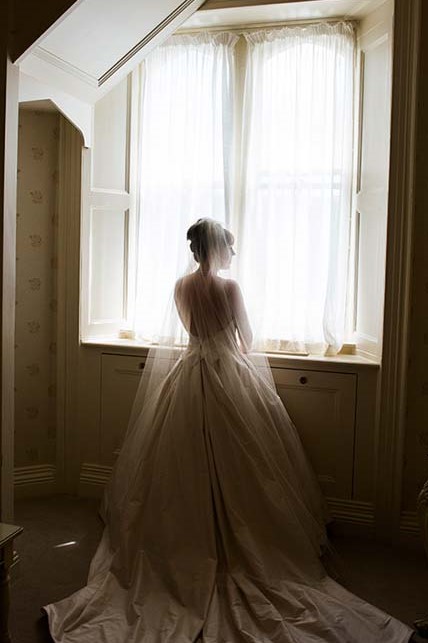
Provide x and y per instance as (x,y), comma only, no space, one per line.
(35,288)
(416,447)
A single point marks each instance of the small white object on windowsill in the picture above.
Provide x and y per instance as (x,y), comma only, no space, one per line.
(126,333)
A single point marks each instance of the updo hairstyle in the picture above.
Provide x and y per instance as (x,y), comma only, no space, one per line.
(208,239)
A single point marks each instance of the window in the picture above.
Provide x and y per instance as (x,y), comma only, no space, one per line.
(256,131)
(185,161)
(275,164)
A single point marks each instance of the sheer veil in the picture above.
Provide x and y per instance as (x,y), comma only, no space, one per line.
(200,306)
(205,316)
(214,520)
(202,379)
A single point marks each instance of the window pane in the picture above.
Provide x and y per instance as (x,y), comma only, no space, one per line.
(298,129)
(185,161)
(107,257)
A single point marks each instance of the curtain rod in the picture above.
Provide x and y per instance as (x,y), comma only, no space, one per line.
(241,29)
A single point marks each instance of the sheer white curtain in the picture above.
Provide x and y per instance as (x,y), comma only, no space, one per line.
(297,182)
(185,160)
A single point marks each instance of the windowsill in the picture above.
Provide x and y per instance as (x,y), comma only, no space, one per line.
(276,360)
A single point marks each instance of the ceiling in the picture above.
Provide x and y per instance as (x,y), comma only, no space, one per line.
(279,12)
(95,45)
(99,42)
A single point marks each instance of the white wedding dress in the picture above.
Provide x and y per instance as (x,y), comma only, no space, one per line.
(214,522)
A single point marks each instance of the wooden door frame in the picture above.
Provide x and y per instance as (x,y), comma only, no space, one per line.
(9,84)
(391,427)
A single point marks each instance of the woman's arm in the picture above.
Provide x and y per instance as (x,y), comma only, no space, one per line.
(240,316)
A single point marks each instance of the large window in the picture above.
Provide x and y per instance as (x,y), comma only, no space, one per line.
(185,161)
(273,162)
(254,130)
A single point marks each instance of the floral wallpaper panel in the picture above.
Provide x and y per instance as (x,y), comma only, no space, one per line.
(35,345)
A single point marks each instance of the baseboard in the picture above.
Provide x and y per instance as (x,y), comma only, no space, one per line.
(92,479)
(351,511)
(35,480)
(409,523)
(410,531)
(351,518)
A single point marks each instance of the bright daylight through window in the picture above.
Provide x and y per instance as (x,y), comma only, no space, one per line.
(272,162)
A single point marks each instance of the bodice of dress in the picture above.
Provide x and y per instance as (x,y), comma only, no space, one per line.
(223,343)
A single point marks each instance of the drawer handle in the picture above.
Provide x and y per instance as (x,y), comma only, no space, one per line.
(303,379)
(141,366)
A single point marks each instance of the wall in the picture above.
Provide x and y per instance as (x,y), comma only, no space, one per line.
(28,26)
(36,303)
(8,165)
(21,22)
(416,445)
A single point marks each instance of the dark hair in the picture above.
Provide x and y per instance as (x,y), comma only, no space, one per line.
(200,239)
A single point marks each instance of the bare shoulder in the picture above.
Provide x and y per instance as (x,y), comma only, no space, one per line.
(182,283)
(179,283)
(232,288)
(234,294)
(231,284)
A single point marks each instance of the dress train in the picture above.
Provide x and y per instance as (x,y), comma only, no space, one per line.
(215,524)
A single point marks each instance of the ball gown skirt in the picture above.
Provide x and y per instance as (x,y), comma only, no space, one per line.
(214,524)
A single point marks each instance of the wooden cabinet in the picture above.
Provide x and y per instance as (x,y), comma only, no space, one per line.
(7,535)
(322,406)
(120,376)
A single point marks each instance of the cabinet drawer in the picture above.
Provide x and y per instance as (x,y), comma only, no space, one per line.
(322,406)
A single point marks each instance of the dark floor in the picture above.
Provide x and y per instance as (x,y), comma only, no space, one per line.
(47,572)
(396,581)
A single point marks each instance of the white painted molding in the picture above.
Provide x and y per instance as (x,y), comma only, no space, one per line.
(53,59)
(78,112)
(154,38)
(35,480)
(56,61)
(391,429)
(59,78)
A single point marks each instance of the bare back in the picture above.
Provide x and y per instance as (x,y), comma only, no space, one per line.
(209,304)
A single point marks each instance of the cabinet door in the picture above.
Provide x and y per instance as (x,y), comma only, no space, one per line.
(120,378)
(322,406)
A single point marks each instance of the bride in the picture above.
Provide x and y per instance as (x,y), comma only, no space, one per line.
(214,522)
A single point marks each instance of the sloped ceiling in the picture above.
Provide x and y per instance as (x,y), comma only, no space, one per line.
(29,20)
(99,41)
(231,13)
